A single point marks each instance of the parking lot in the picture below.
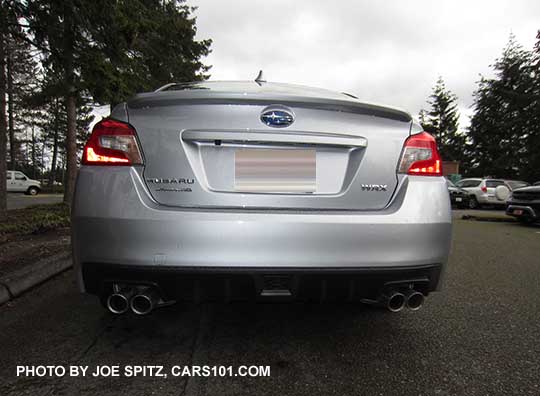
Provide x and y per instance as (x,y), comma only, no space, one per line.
(478,337)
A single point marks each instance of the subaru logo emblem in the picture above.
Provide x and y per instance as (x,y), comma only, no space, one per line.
(277,118)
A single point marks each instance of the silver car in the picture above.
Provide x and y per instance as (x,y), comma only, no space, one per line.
(259,191)
(484,191)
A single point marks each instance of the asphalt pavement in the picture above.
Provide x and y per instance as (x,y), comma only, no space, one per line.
(477,337)
(20,200)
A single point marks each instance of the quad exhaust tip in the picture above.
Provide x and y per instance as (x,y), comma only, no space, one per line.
(140,299)
(118,302)
(395,301)
(415,300)
(144,302)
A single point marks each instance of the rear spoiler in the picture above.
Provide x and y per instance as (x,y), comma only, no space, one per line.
(176,98)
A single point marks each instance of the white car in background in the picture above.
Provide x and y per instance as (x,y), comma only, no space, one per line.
(488,191)
(19,182)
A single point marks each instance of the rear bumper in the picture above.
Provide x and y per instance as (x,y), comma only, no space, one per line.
(525,210)
(136,233)
(459,199)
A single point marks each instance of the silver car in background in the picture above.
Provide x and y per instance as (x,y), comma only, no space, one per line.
(483,191)
(259,191)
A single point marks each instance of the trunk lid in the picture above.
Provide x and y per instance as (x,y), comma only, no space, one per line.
(213,151)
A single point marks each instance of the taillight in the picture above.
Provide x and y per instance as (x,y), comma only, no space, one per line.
(112,143)
(420,156)
(484,189)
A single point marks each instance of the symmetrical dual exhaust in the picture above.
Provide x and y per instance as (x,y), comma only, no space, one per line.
(395,300)
(141,300)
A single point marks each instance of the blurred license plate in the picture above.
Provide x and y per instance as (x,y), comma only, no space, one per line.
(518,212)
(275,170)
(458,199)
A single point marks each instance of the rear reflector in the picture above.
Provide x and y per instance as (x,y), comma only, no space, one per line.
(420,156)
(112,143)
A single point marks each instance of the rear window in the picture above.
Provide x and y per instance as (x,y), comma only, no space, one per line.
(469,183)
(494,183)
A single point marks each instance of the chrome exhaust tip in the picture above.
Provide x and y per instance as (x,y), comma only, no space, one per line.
(395,301)
(144,302)
(415,300)
(118,302)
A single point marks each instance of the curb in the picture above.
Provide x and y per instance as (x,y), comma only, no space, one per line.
(17,282)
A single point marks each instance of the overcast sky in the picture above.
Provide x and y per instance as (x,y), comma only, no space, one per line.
(389,52)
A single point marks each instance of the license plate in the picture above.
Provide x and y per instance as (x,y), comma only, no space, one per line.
(518,212)
(275,170)
(458,199)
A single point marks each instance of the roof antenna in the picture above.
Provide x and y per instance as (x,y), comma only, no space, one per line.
(260,78)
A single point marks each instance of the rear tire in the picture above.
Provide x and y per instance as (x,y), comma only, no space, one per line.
(32,191)
(473,203)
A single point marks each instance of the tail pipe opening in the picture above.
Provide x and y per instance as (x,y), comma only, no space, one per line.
(118,301)
(144,301)
(394,301)
(415,299)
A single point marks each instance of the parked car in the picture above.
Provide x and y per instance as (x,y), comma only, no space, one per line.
(259,191)
(19,182)
(458,196)
(482,191)
(524,204)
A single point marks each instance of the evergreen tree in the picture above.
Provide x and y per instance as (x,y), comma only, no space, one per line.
(21,82)
(140,46)
(442,121)
(531,171)
(110,55)
(499,128)
(6,23)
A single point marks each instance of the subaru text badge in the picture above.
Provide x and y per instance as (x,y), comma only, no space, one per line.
(277,118)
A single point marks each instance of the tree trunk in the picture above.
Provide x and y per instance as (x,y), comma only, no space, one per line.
(71,104)
(3,125)
(33,154)
(71,148)
(11,128)
(52,174)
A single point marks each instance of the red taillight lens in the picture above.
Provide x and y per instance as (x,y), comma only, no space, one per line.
(484,189)
(112,143)
(420,156)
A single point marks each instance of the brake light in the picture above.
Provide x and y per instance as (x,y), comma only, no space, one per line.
(112,143)
(484,189)
(420,156)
